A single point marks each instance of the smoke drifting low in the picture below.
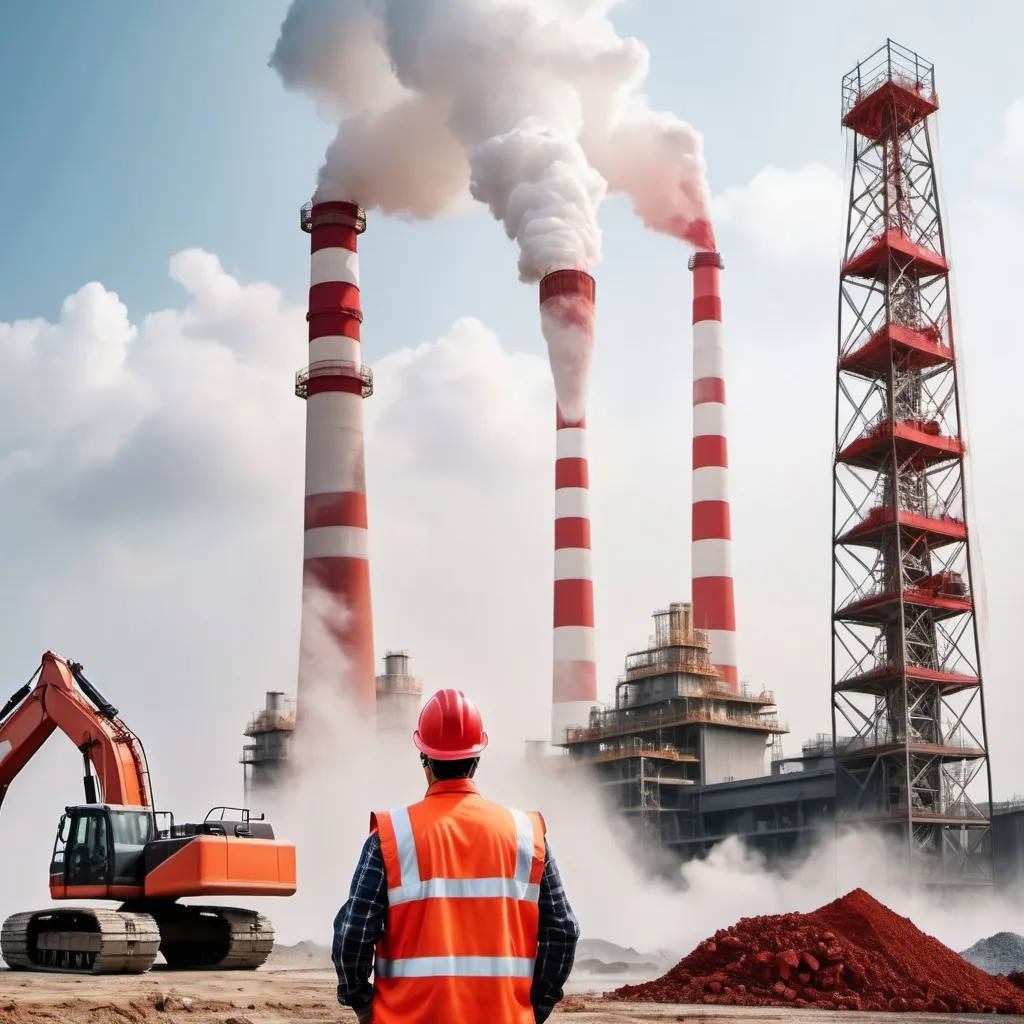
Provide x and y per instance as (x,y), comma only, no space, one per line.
(534,107)
(342,771)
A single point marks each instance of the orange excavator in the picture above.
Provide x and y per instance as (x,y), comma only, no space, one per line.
(117,846)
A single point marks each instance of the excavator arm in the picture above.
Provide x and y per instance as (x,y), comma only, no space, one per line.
(90,722)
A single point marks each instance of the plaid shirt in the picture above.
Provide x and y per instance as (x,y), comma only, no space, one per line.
(360,923)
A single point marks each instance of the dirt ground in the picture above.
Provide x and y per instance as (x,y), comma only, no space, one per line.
(282,994)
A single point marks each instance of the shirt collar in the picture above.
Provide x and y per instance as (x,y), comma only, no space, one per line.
(453,786)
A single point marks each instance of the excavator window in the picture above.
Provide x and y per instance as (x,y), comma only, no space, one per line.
(131,828)
(131,831)
(87,856)
(57,862)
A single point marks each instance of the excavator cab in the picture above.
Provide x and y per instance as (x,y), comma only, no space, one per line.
(100,852)
(128,853)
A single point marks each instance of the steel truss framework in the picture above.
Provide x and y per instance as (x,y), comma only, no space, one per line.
(907,708)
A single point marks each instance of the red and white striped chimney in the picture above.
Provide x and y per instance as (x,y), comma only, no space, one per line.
(336,551)
(567,312)
(714,606)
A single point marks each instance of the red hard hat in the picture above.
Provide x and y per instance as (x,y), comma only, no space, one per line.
(450,727)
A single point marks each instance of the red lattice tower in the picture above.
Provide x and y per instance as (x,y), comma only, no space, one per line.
(907,708)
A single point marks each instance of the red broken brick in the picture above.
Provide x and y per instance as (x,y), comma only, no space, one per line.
(873,960)
(786,962)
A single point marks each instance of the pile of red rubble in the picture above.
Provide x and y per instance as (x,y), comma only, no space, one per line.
(853,954)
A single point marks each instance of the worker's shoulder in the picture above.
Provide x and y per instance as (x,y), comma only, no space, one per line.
(519,815)
(473,807)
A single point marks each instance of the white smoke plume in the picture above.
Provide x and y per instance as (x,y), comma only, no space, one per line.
(540,186)
(567,322)
(658,160)
(529,105)
(371,159)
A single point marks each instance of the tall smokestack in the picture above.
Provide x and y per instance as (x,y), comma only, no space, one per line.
(714,606)
(336,555)
(567,314)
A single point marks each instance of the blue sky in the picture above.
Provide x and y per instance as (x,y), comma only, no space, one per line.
(133,131)
(151,454)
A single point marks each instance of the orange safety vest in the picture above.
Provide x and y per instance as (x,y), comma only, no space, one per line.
(460,930)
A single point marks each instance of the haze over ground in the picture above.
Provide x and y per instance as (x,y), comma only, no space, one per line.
(151,456)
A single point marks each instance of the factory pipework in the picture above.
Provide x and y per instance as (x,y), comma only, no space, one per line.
(567,311)
(336,550)
(711,550)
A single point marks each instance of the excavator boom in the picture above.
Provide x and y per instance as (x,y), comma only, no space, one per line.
(54,703)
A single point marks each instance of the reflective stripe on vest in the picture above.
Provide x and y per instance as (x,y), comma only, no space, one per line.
(455,967)
(465,888)
(414,888)
(406,843)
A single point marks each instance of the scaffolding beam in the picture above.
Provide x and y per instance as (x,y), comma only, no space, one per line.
(906,673)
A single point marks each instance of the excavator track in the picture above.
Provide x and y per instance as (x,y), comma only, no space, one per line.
(213,938)
(80,940)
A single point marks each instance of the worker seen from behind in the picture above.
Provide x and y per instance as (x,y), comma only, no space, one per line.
(456,905)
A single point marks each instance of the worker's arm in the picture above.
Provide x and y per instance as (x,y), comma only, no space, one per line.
(556,948)
(358,926)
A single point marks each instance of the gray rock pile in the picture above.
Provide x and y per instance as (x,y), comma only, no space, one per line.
(1002,953)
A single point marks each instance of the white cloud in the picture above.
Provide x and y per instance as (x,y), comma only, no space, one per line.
(789,216)
(1005,164)
(111,418)
(477,408)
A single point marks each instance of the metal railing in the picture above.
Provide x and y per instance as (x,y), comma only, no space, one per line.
(1015,803)
(270,721)
(889,63)
(943,585)
(619,724)
(356,219)
(706,691)
(885,515)
(677,636)
(635,747)
(399,684)
(334,368)
(639,667)
(959,740)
